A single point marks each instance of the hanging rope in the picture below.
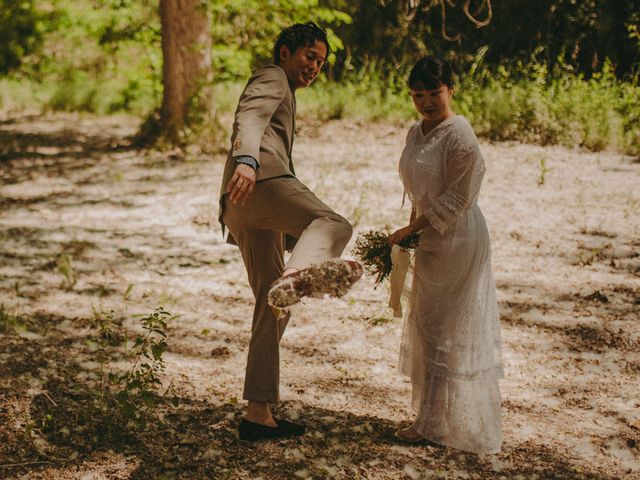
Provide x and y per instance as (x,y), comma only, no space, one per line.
(478,23)
(443,15)
(412,7)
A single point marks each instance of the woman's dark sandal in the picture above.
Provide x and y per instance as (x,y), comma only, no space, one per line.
(252,432)
(415,441)
(332,277)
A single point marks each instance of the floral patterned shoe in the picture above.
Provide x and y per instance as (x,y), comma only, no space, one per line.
(333,277)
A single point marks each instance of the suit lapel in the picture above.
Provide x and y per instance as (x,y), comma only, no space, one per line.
(293,130)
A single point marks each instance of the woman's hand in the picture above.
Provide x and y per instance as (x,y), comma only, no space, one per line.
(399,235)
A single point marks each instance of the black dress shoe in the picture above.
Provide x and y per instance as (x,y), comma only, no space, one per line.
(251,431)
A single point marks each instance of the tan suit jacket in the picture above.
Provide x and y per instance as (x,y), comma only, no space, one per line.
(263,128)
(264,125)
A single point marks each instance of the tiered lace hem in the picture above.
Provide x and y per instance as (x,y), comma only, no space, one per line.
(463,414)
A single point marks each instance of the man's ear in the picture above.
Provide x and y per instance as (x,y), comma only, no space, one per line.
(285,53)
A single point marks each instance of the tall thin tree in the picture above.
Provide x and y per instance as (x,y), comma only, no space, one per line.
(187,73)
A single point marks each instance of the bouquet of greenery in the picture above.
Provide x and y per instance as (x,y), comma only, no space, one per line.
(373,251)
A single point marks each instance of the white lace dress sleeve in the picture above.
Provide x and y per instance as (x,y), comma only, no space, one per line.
(462,172)
(451,337)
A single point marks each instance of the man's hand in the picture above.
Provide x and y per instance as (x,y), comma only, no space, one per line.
(241,184)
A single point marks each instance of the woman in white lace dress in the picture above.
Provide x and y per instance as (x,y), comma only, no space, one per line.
(451,339)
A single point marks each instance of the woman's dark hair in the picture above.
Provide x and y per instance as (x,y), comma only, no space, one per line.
(429,73)
(300,35)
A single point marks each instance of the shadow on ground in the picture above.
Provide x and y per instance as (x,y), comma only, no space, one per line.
(57,144)
(197,439)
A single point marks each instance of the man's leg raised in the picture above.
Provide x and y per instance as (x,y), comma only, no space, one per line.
(292,208)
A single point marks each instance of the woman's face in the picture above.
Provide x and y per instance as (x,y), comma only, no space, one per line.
(434,105)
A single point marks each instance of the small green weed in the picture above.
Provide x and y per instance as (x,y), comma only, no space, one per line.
(376,320)
(361,210)
(588,255)
(106,325)
(543,171)
(9,322)
(128,291)
(64,266)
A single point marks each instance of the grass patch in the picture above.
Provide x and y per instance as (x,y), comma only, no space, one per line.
(531,104)
(520,102)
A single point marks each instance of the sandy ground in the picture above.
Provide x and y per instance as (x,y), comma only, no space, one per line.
(89,225)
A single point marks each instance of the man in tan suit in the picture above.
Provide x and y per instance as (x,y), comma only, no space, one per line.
(266,208)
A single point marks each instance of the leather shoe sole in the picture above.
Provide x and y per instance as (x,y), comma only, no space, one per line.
(332,277)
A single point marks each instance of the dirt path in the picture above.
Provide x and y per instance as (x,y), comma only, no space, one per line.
(89,225)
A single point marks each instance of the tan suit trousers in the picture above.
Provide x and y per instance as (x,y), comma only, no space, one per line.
(276,207)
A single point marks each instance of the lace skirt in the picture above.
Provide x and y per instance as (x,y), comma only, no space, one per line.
(451,340)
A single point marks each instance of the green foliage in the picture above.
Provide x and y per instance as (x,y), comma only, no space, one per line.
(106,323)
(105,56)
(528,102)
(20,32)
(523,101)
(98,56)
(582,33)
(543,171)
(367,94)
(244,31)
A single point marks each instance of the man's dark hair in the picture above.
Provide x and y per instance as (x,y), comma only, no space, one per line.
(431,72)
(300,35)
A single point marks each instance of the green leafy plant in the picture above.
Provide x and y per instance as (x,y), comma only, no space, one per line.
(130,398)
(112,405)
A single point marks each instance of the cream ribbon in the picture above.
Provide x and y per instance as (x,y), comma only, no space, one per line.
(400,260)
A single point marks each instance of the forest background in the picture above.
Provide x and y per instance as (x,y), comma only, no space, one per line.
(543,71)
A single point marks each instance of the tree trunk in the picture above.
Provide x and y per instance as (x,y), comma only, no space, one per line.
(187,75)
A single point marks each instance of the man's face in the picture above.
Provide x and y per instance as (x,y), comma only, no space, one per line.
(303,66)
